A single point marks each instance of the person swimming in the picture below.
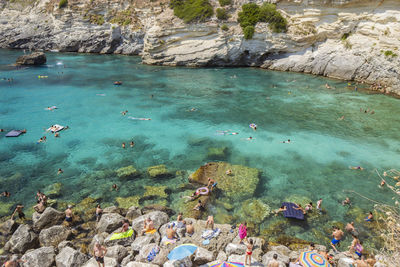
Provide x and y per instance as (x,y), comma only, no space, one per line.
(132,144)
(356,168)
(286,142)
(253,126)
(124,112)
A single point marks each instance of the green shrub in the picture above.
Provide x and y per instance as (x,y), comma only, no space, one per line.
(248,32)
(63,3)
(224,27)
(389,53)
(192,10)
(122,18)
(222,14)
(252,13)
(345,36)
(225,2)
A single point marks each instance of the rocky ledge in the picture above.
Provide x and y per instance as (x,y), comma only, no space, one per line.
(36,58)
(346,39)
(53,243)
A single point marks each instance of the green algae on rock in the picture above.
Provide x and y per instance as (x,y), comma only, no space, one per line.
(155,191)
(159,171)
(127,172)
(127,202)
(5,208)
(53,190)
(254,210)
(86,209)
(241,183)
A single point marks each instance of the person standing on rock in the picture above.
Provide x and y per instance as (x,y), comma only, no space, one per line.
(242,231)
(249,251)
(99,212)
(18,210)
(68,214)
(99,252)
(210,222)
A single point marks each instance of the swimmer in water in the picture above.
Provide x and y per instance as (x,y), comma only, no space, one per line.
(327,86)
(341,118)
(193,109)
(383,183)
(132,144)
(114,186)
(124,112)
(123,145)
(250,138)
(60,171)
(356,168)
(286,142)
(56,135)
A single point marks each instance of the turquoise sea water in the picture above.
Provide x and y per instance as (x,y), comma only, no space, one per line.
(283,105)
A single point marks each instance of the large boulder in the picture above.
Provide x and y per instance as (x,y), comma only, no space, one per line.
(114,209)
(241,183)
(43,257)
(117,252)
(132,213)
(141,241)
(109,222)
(36,58)
(69,257)
(22,240)
(159,259)
(109,262)
(232,248)
(159,218)
(8,227)
(48,218)
(53,236)
(202,256)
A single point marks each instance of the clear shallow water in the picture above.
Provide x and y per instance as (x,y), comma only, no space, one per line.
(283,105)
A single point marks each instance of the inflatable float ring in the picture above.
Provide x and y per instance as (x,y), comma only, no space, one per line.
(202,191)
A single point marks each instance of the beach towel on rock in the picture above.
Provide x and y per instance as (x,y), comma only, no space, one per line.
(153,253)
(126,234)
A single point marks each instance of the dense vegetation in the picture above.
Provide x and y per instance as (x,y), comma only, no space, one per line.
(252,13)
(224,27)
(63,3)
(192,10)
(222,14)
(225,2)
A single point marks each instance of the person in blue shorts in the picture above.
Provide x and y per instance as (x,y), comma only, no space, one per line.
(337,237)
(370,217)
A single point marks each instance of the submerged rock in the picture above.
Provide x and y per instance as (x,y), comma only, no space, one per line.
(217,153)
(53,190)
(241,183)
(155,191)
(127,202)
(22,240)
(36,58)
(5,208)
(127,172)
(254,210)
(159,171)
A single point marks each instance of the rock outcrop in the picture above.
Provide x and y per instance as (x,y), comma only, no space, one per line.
(48,218)
(44,257)
(53,236)
(36,58)
(109,222)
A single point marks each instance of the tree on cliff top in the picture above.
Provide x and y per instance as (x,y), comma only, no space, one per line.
(192,10)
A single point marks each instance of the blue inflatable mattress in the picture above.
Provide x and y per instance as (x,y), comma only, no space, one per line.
(14,133)
(290,212)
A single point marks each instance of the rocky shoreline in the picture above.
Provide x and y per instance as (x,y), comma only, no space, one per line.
(349,40)
(48,241)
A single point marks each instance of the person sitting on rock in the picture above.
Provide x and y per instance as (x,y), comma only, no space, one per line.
(199,206)
(40,207)
(148,225)
(5,194)
(274,262)
(189,228)
(125,226)
(171,234)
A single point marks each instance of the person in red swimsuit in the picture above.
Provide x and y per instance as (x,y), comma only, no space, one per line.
(249,251)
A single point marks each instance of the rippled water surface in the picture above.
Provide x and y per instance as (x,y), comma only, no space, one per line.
(283,105)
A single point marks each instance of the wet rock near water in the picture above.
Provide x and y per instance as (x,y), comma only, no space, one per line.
(36,58)
(159,171)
